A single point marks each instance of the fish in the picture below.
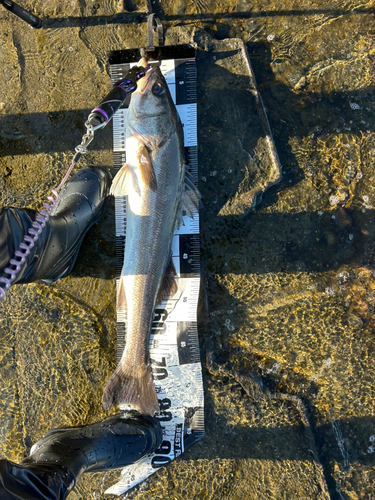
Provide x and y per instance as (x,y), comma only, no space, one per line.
(159,191)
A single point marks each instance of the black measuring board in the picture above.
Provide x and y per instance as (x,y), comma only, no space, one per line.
(174,345)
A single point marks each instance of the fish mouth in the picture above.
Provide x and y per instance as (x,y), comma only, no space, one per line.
(145,81)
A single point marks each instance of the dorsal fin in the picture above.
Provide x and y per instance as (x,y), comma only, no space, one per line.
(189,200)
(190,181)
(190,195)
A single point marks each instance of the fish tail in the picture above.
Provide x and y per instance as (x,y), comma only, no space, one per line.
(134,389)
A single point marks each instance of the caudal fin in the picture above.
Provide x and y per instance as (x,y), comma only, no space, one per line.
(138,392)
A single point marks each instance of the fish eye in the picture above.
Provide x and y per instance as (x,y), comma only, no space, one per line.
(158,89)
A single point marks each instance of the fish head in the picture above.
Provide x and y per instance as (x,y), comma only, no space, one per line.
(152,114)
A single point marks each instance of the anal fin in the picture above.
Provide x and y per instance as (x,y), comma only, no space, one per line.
(169,284)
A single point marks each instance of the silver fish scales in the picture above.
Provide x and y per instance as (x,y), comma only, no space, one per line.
(158,189)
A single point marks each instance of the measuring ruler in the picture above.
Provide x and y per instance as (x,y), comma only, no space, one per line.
(174,346)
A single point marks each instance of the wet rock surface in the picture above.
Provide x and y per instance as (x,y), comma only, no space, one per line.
(287,318)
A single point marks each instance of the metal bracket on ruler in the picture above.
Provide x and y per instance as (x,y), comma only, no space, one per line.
(151,20)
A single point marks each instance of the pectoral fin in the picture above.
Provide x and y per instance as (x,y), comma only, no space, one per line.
(133,177)
(146,170)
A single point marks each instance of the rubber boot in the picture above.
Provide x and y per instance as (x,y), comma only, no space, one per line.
(82,203)
(113,443)
(36,482)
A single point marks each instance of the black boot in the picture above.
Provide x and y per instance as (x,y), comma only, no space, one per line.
(82,203)
(36,482)
(110,444)
(56,460)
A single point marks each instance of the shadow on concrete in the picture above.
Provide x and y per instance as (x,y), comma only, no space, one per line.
(255,242)
(132,17)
